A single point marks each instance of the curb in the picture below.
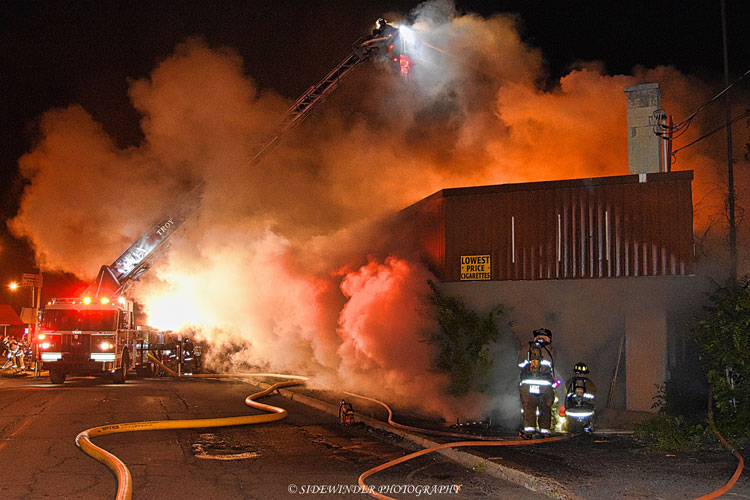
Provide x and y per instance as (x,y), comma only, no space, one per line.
(540,484)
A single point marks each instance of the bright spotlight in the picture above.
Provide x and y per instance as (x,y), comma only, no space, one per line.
(407,34)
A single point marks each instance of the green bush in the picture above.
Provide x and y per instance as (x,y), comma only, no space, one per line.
(722,334)
(462,342)
(668,433)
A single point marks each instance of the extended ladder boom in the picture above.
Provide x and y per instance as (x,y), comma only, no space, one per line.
(120,275)
(383,43)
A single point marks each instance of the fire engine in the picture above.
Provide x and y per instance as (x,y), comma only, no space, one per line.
(96,332)
(87,337)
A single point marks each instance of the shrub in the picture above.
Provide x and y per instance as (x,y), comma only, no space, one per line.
(462,342)
(722,334)
(664,433)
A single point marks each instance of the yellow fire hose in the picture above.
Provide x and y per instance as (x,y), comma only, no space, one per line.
(158,362)
(478,441)
(455,434)
(489,441)
(124,479)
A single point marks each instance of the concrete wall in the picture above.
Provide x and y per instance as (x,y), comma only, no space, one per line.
(646,342)
(644,155)
(588,319)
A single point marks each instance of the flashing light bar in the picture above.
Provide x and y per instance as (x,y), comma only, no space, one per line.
(104,300)
(87,300)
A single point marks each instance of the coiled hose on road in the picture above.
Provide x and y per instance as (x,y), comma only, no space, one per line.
(122,473)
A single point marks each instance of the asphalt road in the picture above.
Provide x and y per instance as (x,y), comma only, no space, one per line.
(309,454)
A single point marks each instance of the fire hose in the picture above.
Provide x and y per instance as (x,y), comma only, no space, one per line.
(124,479)
(477,441)
(453,434)
(490,441)
(741,461)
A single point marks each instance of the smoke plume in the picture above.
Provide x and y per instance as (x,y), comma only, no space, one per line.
(285,259)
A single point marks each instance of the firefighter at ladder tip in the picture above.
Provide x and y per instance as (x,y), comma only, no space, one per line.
(538,384)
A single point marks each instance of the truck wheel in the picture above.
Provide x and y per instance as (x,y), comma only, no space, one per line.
(145,370)
(57,377)
(120,375)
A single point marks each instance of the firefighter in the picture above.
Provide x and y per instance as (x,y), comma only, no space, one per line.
(580,393)
(188,356)
(6,352)
(15,354)
(346,413)
(537,386)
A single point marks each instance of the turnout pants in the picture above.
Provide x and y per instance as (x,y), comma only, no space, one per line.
(533,402)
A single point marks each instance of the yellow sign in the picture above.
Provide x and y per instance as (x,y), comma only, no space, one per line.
(475,267)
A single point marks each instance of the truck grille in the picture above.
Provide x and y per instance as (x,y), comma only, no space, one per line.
(76,343)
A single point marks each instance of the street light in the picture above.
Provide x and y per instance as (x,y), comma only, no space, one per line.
(12,286)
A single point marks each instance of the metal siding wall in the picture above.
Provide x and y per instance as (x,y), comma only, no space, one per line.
(594,228)
(425,221)
(685,228)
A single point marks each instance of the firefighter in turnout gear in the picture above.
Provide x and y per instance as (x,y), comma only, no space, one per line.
(14,353)
(188,357)
(580,393)
(538,384)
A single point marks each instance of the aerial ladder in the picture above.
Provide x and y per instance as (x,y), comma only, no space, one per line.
(97,333)
(384,44)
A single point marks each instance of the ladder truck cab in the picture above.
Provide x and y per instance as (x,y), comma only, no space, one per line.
(83,336)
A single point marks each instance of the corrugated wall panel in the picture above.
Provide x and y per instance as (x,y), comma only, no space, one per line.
(685,228)
(586,228)
(424,224)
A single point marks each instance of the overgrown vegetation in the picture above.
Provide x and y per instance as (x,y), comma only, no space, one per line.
(462,341)
(669,431)
(665,433)
(723,337)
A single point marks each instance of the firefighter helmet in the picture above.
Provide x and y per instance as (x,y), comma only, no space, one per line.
(543,335)
(581,367)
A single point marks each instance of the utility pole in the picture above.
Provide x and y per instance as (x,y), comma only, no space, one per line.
(730,156)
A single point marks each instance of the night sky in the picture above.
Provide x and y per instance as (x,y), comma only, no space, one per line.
(58,53)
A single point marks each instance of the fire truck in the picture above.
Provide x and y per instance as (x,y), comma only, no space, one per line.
(88,337)
(96,332)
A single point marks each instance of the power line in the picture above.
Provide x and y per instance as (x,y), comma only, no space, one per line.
(674,131)
(740,117)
